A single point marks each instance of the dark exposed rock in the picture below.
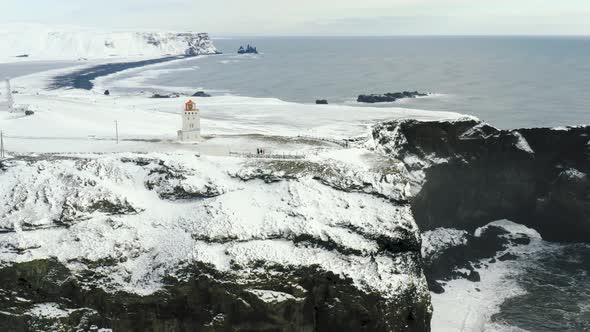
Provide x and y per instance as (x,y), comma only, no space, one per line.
(507,257)
(435,287)
(197,44)
(29,113)
(249,49)
(321,102)
(474,276)
(161,96)
(201,94)
(536,177)
(522,239)
(445,262)
(169,182)
(107,93)
(72,212)
(205,300)
(389,97)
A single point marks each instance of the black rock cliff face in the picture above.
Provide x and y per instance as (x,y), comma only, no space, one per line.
(475,174)
(205,301)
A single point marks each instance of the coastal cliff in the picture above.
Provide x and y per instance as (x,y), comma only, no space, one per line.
(472,174)
(38,42)
(136,242)
(351,237)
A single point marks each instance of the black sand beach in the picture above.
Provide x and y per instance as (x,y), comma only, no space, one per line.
(82,79)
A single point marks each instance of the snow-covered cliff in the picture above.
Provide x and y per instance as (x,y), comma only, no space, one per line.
(292,252)
(468,173)
(48,43)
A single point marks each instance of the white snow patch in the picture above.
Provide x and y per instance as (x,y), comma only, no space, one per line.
(440,239)
(522,143)
(270,296)
(573,173)
(49,311)
(469,306)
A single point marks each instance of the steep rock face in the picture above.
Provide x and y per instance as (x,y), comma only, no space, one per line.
(44,294)
(473,174)
(451,254)
(197,43)
(208,246)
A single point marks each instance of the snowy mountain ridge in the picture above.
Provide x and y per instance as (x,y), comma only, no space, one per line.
(40,42)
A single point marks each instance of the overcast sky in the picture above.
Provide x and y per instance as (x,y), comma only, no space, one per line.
(314,17)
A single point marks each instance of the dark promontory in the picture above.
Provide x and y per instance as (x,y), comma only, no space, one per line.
(389,97)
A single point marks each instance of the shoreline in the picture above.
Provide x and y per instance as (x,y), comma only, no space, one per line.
(82,79)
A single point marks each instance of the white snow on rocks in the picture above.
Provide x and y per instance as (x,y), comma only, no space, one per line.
(49,311)
(521,143)
(574,174)
(244,223)
(272,296)
(440,239)
(38,195)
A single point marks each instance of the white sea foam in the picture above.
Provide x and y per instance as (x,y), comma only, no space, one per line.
(469,306)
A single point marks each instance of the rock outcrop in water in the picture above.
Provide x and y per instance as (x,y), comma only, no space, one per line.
(165,96)
(457,254)
(473,174)
(389,97)
(249,49)
(201,94)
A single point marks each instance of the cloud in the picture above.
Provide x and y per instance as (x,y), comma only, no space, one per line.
(313,17)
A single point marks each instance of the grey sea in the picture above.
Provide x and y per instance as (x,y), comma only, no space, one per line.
(510,82)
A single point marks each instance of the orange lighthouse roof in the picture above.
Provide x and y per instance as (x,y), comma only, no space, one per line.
(189,106)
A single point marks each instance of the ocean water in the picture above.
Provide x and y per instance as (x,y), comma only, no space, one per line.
(510,82)
(556,297)
(11,70)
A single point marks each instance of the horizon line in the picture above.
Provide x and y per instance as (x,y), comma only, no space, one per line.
(400,35)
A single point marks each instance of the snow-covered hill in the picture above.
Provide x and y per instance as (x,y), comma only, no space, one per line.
(39,42)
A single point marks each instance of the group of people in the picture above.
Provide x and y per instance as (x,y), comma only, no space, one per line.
(260,151)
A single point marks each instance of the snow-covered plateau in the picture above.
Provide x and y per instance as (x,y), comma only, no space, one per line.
(107,222)
(39,42)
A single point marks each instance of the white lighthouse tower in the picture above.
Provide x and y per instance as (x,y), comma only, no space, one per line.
(191,123)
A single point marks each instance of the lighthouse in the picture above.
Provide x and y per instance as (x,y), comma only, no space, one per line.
(191,123)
